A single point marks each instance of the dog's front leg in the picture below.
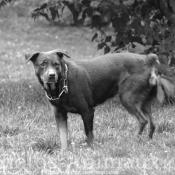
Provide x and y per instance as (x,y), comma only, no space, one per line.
(61,121)
(88,125)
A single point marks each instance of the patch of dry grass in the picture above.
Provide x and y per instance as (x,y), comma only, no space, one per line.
(29,142)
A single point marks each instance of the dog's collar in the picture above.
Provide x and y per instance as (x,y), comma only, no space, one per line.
(64,88)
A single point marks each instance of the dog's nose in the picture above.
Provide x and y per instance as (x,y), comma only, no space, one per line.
(52,75)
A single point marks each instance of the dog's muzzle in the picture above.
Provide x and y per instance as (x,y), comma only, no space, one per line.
(52,86)
(52,76)
(49,77)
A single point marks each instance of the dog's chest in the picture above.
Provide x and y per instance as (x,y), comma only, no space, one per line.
(67,106)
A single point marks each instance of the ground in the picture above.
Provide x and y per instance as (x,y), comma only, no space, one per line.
(29,142)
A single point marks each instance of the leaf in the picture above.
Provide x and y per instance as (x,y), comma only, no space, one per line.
(168,87)
(101,45)
(83,15)
(44,15)
(145,9)
(43,6)
(57,14)
(4,3)
(108,38)
(119,24)
(125,14)
(94,37)
(136,24)
(106,16)
(123,8)
(74,8)
(147,47)
(62,9)
(106,49)
(89,11)
(156,37)
(160,94)
(37,9)
(139,47)
(54,13)
(168,39)
(86,2)
(94,4)
(172,4)
(150,39)
(96,20)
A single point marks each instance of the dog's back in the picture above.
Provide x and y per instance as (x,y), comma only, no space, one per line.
(104,73)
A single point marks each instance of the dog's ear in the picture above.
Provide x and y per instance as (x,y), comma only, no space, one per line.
(61,53)
(31,56)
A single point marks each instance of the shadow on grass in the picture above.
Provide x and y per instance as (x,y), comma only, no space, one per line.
(21,93)
(48,146)
(119,152)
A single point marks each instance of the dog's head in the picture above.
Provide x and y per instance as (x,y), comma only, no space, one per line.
(49,66)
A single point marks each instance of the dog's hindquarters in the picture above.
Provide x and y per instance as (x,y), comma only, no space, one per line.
(136,94)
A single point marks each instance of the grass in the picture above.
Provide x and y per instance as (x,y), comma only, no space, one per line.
(29,142)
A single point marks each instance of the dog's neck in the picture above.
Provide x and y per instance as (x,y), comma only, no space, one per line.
(54,91)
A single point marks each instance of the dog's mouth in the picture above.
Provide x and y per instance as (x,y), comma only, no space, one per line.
(51,91)
(50,86)
(49,83)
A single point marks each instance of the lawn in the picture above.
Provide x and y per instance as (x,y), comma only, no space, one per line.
(29,142)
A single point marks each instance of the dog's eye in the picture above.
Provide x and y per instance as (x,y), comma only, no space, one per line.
(43,64)
(56,64)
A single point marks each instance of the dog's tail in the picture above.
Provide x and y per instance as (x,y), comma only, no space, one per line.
(153,80)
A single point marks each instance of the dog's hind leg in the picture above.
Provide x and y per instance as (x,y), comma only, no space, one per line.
(142,120)
(134,110)
(88,117)
(147,112)
(151,126)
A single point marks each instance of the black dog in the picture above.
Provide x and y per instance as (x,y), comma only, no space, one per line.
(79,86)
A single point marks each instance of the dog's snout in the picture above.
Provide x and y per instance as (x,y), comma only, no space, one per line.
(52,74)
(49,76)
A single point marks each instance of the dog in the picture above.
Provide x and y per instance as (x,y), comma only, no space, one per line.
(80,85)
(136,94)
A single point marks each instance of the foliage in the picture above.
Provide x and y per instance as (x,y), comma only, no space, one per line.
(5,2)
(135,25)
